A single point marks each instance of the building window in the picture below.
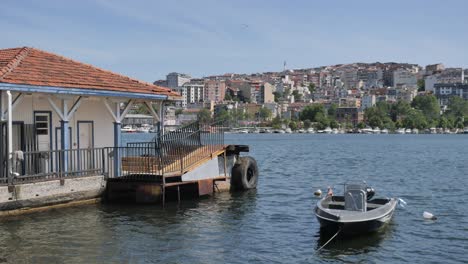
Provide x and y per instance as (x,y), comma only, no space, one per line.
(42,124)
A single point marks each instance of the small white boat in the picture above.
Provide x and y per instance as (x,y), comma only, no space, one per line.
(400,131)
(310,130)
(128,129)
(408,131)
(335,131)
(376,130)
(144,128)
(288,130)
(414,131)
(433,130)
(367,130)
(243,131)
(301,131)
(327,130)
(355,212)
(384,131)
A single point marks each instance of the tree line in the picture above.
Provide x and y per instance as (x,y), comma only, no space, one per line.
(422,113)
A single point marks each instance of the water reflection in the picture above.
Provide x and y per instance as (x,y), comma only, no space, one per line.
(351,245)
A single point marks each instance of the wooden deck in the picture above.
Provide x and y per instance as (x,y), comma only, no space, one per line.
(176,166)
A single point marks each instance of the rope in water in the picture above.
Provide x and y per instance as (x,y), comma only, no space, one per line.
(329,240)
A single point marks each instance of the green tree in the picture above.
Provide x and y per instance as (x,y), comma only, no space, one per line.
(264,113)
(375,121)
(415,119)
(459,122)
(297,96)
(204,115)
(276,122)
(223,115)
(310,112)
(457,106)
(334,124)
(399,110)
(421,85)
(332,111)
(443,122)
(388,123)
(277,96)
(311,88)
(307,123)
(322,120)
(293,125)
(361,125)
(428,105)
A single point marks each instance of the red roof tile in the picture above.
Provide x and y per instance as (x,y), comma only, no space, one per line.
(30,66)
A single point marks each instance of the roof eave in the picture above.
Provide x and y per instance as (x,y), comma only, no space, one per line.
(79,91)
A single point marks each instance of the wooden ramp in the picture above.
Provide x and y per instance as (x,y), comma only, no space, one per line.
(192,160)
(152,169)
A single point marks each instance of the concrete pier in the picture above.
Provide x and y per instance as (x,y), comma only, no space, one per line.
(45,193)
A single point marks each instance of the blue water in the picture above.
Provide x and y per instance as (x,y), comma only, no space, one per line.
(275,223)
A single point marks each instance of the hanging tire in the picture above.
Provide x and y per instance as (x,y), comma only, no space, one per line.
(244,174)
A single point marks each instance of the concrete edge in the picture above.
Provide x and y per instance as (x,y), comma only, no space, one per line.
(29,210)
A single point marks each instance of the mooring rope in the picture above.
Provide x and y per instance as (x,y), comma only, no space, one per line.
(329,240)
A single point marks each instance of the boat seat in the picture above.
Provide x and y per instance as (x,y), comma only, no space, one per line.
(355,200)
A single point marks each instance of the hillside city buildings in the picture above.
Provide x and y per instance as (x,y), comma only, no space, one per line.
(351,87)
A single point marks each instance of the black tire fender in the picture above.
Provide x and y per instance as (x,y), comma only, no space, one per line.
(244,174)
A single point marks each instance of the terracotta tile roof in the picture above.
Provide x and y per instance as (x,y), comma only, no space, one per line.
(30,66)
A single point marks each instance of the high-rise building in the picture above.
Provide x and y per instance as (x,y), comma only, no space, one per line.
(195,90)
(266,93)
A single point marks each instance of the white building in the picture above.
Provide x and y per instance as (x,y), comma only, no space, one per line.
(195,91)
(447,76)
(66,110)
(404,77)
(175,79)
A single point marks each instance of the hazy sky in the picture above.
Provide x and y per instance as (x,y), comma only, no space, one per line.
(148,39)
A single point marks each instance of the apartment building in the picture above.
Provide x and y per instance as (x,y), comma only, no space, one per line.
(215,91)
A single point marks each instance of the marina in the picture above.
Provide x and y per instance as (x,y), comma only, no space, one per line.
(328,130)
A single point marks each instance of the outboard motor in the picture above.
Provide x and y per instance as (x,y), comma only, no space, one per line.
(370,192)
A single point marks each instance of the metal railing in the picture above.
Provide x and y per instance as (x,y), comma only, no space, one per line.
(188,145)
(55,164)
(174,152)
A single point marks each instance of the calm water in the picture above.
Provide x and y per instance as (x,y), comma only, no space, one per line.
(275,223)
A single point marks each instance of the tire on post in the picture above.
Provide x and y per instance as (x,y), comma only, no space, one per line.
(244,174)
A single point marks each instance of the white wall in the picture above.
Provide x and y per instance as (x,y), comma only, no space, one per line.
(90,110)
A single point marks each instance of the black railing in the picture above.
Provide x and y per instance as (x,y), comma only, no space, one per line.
(55,164)
(3,153)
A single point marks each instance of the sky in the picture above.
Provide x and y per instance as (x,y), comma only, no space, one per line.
(149,39)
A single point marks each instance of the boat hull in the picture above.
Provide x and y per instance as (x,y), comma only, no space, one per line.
(332,222)
(354,228)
